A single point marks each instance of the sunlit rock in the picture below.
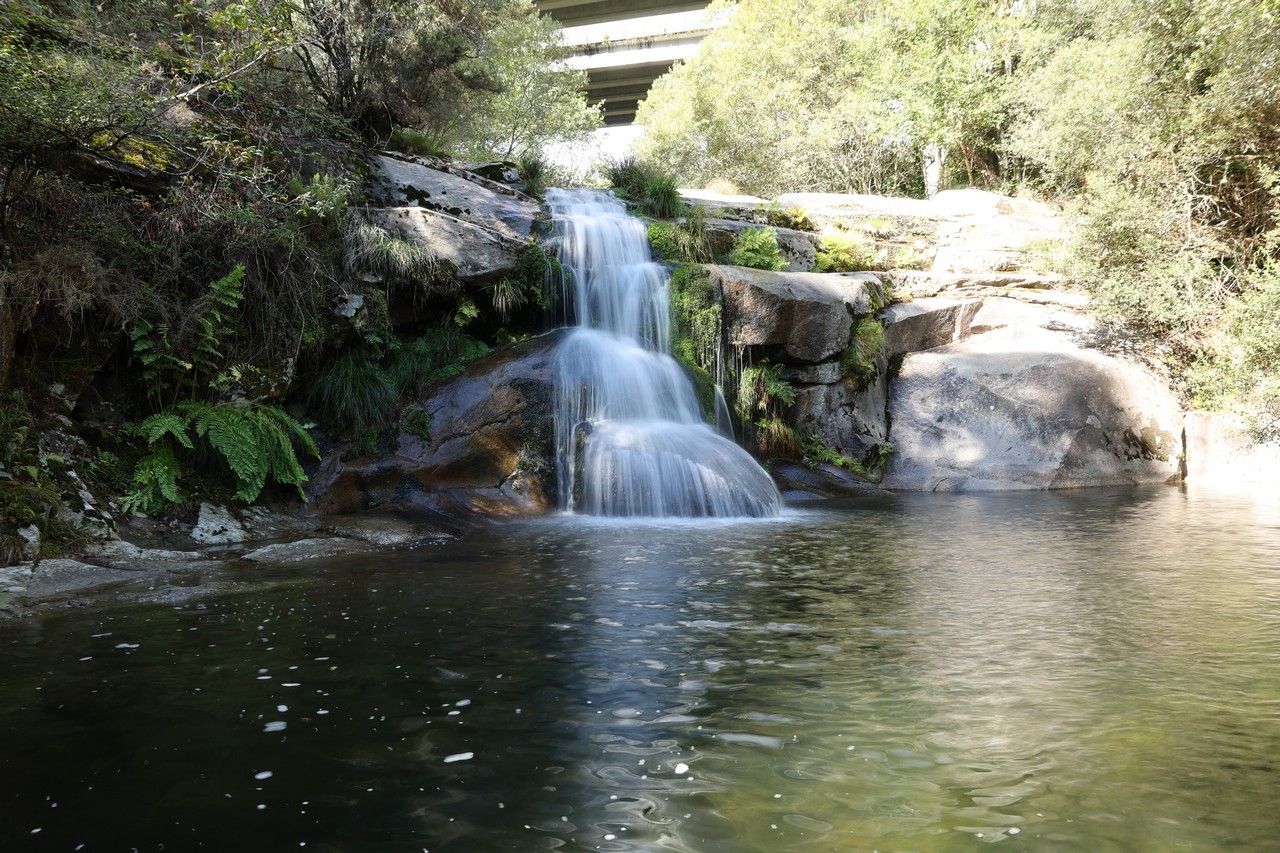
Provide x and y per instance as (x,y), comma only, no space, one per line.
(1031,404)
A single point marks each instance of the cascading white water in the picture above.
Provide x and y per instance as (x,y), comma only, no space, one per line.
(630,437)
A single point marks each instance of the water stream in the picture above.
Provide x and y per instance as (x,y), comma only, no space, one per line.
(630,435)
(1084,671)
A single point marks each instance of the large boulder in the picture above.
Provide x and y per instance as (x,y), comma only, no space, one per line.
(483,203)
(479,226)
(808,315)
(1029,405)
(926,323)
(489,448)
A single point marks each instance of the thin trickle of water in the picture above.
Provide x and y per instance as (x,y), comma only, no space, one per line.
(630,435)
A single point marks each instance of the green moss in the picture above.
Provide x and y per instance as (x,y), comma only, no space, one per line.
(857,362)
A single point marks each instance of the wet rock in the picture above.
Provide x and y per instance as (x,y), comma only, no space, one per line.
(1029,405)
(304,549)
(489,448)
(381,530)
(799,483)
(808,315)
(30,536)
(217,526)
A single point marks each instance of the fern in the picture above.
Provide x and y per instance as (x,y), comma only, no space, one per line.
(256,443)
(758,247)
(165,423)
(155,482)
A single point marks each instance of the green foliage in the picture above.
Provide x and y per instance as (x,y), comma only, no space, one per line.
(844,250)
(697,307)
(432,355)
(417,423)
(533,169)
(816,452)
(530,98)
(352,391)
(857,362)
(370,250)
(255,442)
(661,198)
(792,217)
(683,241)
(528,283)
(652,189)
(409,141)
(757,247)
(761,389)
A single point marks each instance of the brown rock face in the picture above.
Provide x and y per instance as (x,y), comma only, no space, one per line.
(489,448)
(810,315)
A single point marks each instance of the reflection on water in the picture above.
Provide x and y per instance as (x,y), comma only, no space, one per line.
(1058,671)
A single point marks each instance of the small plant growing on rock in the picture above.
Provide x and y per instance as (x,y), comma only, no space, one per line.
(844,250)
(758,247)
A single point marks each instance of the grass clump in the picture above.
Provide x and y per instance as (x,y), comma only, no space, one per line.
(409,141)
(368,250)
(533,169)
(857,362)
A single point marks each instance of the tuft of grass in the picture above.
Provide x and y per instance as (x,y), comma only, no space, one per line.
(534,171)
(352,393)
(370,250)
(409,141)
(661,198)
(435,354)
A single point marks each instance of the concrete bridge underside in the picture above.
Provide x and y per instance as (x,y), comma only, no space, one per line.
(576,13)
(621,54)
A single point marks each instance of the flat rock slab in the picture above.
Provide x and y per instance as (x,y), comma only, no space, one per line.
(1220,451)
(475,252)
(401,183)
(810,315)
(1027,406)
(927,323)
(304,549)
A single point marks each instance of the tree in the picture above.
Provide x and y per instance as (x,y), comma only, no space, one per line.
(535,99)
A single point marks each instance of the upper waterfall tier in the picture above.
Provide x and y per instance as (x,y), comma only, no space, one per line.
(630,437)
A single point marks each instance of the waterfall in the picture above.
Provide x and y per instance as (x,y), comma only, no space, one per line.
(630,436)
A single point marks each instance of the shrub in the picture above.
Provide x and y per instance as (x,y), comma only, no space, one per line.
(370,250)
(409,141)
(352,392)
(432,355)
(661,198)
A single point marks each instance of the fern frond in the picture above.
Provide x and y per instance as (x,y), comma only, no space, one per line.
(165,423)
(155,482)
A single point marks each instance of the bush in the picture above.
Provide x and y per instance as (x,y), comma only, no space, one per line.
(534,171)
(409,141)
(661,198)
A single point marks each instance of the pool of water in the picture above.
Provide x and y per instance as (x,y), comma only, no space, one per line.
(1092,671)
